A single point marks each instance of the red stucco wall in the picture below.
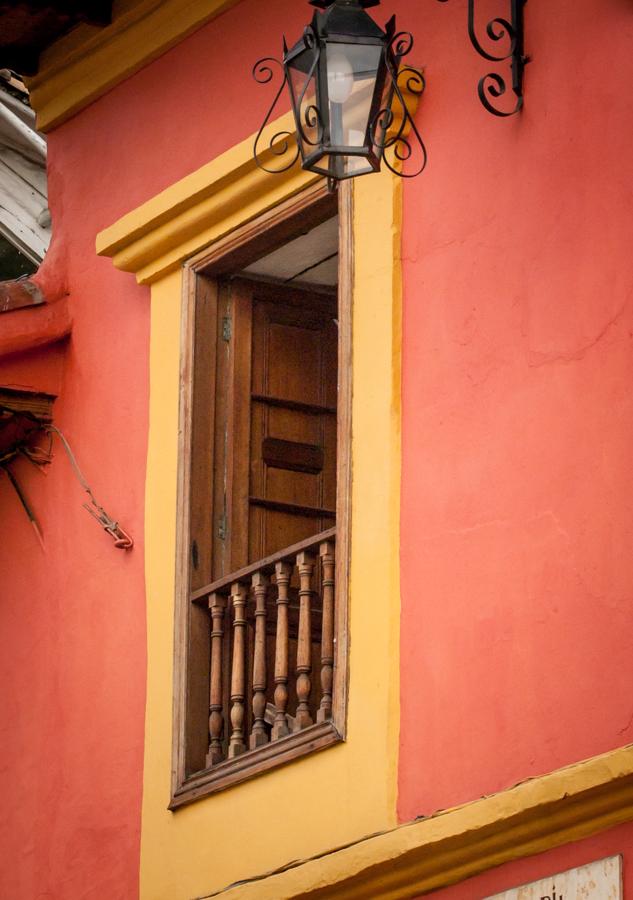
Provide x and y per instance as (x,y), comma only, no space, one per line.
(516,508)
(517,504)
(72,641)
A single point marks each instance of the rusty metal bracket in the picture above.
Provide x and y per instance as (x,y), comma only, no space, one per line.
(122,540)
(41,457)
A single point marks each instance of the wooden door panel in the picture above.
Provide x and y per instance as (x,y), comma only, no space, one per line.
(301,489)
(275,473)
(293,440)
(203,414)
(293,355)
(294,425)
(328,480)
(271,530)
(300,432)
(329,364)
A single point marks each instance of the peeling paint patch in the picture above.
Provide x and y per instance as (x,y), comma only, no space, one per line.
(601,880)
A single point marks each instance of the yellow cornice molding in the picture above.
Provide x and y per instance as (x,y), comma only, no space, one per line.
(202,207)
(155,238)
(89,61)
(426,855)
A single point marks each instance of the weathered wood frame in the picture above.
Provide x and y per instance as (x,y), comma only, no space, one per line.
(229,254)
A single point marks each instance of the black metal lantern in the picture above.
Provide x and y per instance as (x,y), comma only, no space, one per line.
(346,89)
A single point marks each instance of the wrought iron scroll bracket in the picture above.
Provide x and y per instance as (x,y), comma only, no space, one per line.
(283,144)
(401,138)
(493,85)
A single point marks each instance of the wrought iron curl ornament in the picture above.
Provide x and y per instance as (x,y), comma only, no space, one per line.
(312,119)
(281,142)
(497,29)
(493,85)
(413,81)
(311,115)
(401,44)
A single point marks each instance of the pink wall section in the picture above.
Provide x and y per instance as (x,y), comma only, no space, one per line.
(517,501)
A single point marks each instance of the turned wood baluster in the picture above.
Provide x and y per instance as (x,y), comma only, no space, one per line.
(238,599)
(305,564)
(283,572)
(258,733)
(217,605)
(327,633)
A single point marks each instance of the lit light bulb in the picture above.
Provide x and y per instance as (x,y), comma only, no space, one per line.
(340,77)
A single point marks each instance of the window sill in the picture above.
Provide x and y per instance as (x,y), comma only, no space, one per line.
(255,762)
(20,293)
(37,324)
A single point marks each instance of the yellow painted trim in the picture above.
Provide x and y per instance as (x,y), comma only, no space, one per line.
(208,204)
(538,815)
(337,795)
(88,62)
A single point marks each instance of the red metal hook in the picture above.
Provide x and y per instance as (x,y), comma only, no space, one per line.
(122,540)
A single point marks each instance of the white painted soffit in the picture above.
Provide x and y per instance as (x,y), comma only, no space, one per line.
(24,217)
(310,259)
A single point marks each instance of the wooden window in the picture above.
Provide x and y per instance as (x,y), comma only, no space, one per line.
(261,636)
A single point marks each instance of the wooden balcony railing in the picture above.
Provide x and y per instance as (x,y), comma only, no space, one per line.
(272,636)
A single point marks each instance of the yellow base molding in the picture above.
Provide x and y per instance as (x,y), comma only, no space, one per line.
(426,855)
(90,61)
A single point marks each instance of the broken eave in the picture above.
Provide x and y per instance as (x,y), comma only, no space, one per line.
(23,417)
(28,28)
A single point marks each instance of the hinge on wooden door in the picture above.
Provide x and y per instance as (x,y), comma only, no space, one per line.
(222,528)
(226,328)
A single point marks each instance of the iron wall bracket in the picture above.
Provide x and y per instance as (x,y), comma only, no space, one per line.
(493,85)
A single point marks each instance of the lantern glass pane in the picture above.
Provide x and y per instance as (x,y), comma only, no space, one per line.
(351,78)
(304,102)
(339,166)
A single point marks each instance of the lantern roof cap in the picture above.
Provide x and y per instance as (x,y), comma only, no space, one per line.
(346,17)
(323,4)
